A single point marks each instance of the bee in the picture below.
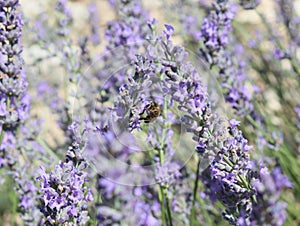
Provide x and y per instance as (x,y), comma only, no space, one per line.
(152,111)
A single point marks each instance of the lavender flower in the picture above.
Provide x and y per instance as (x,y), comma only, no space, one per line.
(150,100)
(290,19)
(64,194)
(233,80)
(269,209)
(24,172)
(228,178)
(217,26)
(137,207)
(128,31)
(13,86)
(249,4)
(215,32)
(28,196)
(66,18)
(94,23)
(125,37)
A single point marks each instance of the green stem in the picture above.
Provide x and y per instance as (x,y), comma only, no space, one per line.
(252,121)
(47,148)
(294,64)
(207,216)
(1,135)
(169,209)
(163,195)
(14,208)
(162,206)
(192,216)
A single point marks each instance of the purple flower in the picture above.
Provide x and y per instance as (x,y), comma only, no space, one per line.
(217,26)
(128,31)
(169,31)
(269,209)
(249,4)
(228,178)
(94,23)
(290,19)
(227,175)
(297,109)
(28,196)
(64,194)
(279,54)
(14,104)
(66,20)
(137,205)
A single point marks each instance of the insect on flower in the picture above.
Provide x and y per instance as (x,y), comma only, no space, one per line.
(152,111)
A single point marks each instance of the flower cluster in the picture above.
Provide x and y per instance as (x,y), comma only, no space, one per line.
(128,30)
(215,32)
(64,195)
(230,175)
(233,80)
(217,26)
(13,85)
(125,36)
(268,208)
(290,19)
(132,206)
(28,193)
(249,4)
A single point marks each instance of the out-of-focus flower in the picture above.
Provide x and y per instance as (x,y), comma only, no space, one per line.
(28,196)
(94,23)
(217,26)
(268,209)
(169,31)
(290,19)
(14,99)
(249,4)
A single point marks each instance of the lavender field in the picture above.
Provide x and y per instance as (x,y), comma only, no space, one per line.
(150,113)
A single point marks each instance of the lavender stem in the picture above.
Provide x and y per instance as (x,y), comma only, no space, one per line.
(292,60)
(163,190)
(192,216)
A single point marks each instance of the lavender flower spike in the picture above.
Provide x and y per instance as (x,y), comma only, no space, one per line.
(269,210)
(65,196)
(13,86)
(217,26)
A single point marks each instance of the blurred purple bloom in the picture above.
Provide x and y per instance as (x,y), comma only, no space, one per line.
(217,26)
(249,4)
(169,31)
(15,103)
(269,209)
(28,196)
(297,109)
(94,23)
